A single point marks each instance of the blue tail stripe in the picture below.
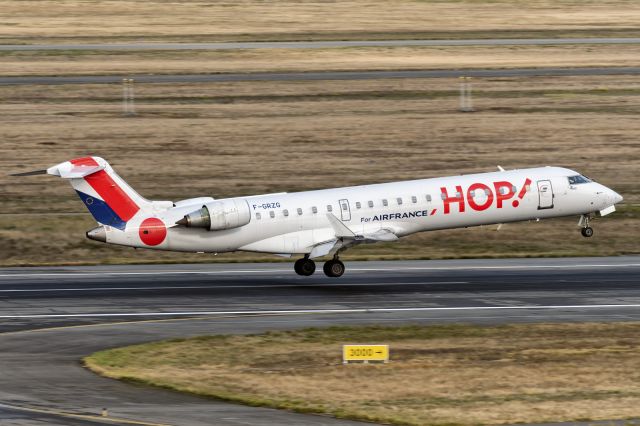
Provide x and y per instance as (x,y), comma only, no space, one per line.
(101,212)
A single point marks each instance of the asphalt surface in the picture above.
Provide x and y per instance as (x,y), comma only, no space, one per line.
(51,317)
(320,75)
(320,44)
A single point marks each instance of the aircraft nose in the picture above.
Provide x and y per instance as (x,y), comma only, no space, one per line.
(617,198)
(612,196)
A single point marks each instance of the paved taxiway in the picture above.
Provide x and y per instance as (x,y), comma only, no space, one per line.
(320,44)
(105,306)
(320,75)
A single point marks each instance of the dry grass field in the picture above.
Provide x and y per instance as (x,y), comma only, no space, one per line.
(127,20)
(248,138)
(464,375)
(333,59)
(132,20)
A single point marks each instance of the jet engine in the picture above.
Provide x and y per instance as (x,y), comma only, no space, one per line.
(219,215)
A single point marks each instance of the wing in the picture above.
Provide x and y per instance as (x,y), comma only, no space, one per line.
(345,237)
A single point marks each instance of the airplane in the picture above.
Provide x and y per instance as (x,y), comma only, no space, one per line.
(319,223)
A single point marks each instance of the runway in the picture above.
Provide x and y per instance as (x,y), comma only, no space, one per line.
(51,317)
(319,44)
(318,76)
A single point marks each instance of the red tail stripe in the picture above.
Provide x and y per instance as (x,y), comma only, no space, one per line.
(84,161)
(112,194)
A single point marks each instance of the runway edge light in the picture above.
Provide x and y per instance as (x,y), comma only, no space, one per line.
(365,353)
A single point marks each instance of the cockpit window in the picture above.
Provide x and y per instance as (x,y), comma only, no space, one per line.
(578,179)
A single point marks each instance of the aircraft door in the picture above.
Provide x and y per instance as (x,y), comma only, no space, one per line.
(545,194)
(345,211)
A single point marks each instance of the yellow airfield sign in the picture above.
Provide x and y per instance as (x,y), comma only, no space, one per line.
(365,353)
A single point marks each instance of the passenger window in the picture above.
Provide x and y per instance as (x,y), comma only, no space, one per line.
(399,200)
(329,207)
(358,205)
(414,199)
(370,203)
(314,209)
(285,212)
(429,198)
(272,214)
(487,192)
(385,202)
(513,188)
(258,216)
(299,211)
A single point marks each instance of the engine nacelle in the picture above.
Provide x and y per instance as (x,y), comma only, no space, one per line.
(191,201)
(219,215)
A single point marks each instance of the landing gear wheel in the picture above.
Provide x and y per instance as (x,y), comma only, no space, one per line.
(333,268)
(587,232)
(304,267)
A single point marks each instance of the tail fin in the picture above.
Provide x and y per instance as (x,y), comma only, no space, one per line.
(108,197)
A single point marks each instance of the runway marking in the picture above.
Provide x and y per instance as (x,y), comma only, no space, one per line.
(277,321)
(130,322)
(448,268)
(91,417)
(215,287)
(93,274)
(278,271)
(317,311)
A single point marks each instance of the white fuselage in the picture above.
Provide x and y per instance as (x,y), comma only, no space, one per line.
(296,223)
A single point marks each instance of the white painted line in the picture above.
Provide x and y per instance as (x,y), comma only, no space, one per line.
(318,311)
(216,287)
(279,271)
(90,417)
(106,273)
(448,268)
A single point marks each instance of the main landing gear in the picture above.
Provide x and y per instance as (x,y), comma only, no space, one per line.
(306,267)
(586,230)
(333,268)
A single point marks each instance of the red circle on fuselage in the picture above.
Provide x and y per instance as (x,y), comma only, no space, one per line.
(152,231)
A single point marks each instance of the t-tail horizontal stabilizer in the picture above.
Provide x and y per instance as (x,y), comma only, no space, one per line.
(33,173)
(106,195)
(70,169)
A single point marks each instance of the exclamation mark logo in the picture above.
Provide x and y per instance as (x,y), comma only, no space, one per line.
(527,184)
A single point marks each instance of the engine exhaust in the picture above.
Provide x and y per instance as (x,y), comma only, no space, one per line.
(97,234)
(197,219)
